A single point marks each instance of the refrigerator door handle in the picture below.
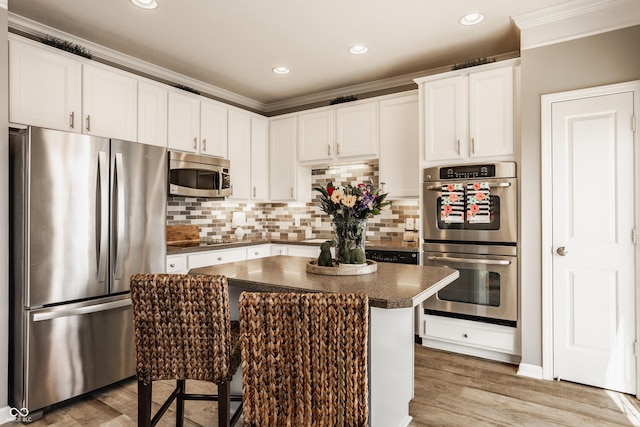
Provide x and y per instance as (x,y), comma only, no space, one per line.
(102,241)
(39,317)
(120,180)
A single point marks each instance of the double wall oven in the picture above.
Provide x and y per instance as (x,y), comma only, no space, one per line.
(470,223)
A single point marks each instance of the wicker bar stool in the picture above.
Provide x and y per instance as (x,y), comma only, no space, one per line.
(304,359)
(183,331)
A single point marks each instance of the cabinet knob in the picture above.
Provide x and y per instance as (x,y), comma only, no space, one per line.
(466,335)
(89,123)
(254,191)
(292,192)
(71,119)
(172,265)
(195,143)
(473,146)
(256,253)
(219,258)
(458,147)
(204,144)
(339,149)
(329,150)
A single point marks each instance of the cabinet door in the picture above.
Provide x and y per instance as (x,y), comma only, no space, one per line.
(357,131)
(282,157)
(152,113)
(184,122)
(445,106)
(109,103)
(213,129)
(259,158)
(399,141)
(316,136)
(491,112)
(45,87)
(240,154)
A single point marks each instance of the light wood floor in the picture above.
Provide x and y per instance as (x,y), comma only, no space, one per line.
(450,390)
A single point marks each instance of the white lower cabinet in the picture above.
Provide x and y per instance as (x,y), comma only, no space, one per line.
(295,250)
(476,338)
(258,251)
(177,264)
(217,257)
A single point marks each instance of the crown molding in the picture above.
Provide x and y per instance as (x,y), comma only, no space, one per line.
(129,63)
(373,86)
(574,20)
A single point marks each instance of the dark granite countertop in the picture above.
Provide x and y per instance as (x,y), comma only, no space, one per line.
(392,286)
(370,244)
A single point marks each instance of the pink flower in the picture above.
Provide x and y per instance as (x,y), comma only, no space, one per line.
(480,196)
(476,186)
(450,187)
(454,198)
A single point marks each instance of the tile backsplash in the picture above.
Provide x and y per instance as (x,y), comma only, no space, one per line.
(288,220)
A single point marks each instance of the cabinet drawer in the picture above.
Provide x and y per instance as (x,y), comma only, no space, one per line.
(176,264)
(490,337)
(258,251)
(216,257)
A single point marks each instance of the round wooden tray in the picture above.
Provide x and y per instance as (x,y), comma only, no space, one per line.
(342,269)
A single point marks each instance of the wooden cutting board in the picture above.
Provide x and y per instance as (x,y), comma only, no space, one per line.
(178,235)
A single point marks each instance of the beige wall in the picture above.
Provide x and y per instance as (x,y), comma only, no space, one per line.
(588,62)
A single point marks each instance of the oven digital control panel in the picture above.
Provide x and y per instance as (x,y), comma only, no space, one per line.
(468,171)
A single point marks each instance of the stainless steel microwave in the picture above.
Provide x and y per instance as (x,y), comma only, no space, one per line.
(193,175)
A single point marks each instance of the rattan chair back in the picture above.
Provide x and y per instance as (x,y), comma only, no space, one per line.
(183,331)
(304,359)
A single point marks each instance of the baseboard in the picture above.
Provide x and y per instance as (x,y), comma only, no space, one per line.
(530,371)
(471,351)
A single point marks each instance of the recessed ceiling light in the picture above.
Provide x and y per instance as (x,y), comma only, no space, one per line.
(281,70)
(358,49)
(145,4)
(472,18)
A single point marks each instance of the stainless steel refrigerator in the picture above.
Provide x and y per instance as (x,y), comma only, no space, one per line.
(86,213)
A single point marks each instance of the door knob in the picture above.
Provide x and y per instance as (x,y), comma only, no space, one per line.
(562,251)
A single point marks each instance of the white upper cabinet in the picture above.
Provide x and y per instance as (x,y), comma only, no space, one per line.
(468,113)
(331,134)
(399,146)
(491,112)
(213,128)
(316,134)
(152,113)
(109,102)
(282,156)
(45,87)
(57,90)
(259,158)
(445,118)
(197,125)
(240,154)
(184,122)
(357,131)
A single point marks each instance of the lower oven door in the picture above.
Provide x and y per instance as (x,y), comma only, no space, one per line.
(487,286)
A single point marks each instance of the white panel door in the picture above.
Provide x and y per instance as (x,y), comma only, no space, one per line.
(259,158)
(152,113)
(593,219)
(213,129)
(315,136)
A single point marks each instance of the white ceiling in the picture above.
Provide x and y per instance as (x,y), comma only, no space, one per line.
(234,44)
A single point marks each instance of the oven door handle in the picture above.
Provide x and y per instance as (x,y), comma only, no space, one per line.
(496,185)
(470,261)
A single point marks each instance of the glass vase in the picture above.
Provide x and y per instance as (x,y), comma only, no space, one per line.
(349,237)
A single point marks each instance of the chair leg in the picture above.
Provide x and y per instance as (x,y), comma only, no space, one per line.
(224,404)
(180,403)
(144,404)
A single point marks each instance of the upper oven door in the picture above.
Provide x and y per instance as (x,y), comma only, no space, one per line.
(470,210)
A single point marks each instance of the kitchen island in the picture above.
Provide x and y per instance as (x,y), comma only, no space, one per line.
(393,291)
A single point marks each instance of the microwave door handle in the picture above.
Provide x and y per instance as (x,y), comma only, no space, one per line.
(434,188)
(470,261)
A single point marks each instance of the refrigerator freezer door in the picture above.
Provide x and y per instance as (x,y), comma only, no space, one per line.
(138,211)
(65,216)
(74,349)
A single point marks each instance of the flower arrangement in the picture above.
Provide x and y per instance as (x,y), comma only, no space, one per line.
(349,208)
(359,201)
